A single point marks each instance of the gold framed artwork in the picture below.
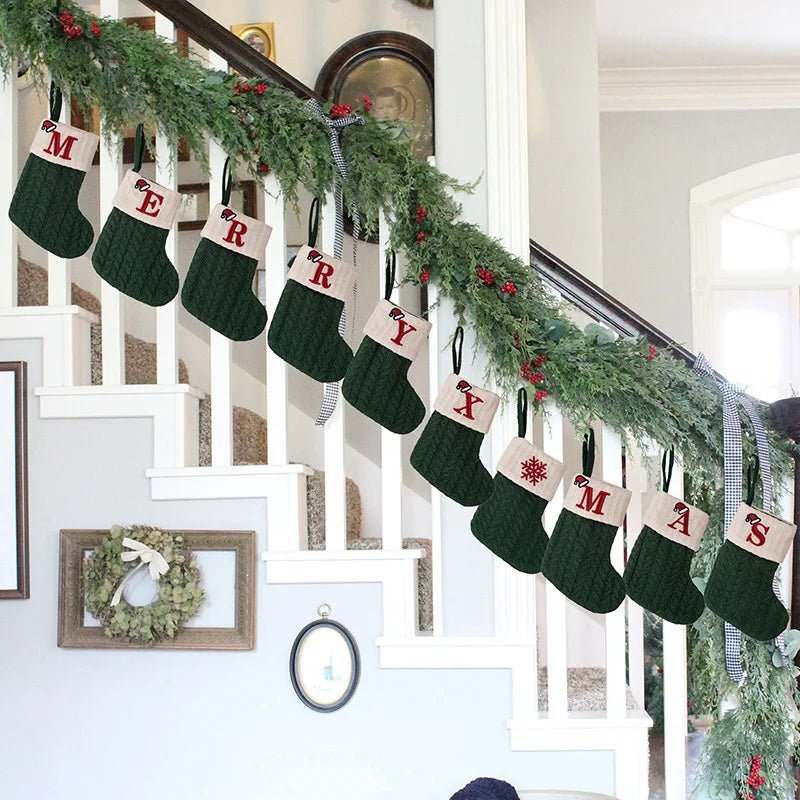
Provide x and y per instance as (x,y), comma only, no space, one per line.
(259,35)
(225,621)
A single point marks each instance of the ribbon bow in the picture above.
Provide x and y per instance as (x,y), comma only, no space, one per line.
(732,481)
(331,391)
(150,558)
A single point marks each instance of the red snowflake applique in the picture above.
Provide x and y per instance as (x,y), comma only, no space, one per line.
(534,470)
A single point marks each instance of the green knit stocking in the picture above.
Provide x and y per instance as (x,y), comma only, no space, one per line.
(739,588)
(45,202)
(376,382)
(657,574)
(304,330)
(130,251)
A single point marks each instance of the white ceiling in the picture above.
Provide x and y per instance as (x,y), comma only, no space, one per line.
(693,33)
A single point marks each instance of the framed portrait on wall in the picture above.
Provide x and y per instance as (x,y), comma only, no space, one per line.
(14,569)
(395,71)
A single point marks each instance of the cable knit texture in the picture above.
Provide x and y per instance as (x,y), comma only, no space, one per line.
(509,523)
(447,455)
(577,562)
(130,255)
(45,208)
(377,385)
(657,578)
(486,789)
(218,290)
(304,332)
(739,590)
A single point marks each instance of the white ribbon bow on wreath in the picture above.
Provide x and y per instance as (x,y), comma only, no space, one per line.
(150,558)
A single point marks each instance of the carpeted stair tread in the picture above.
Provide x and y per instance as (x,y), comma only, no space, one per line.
(586,690)
(316,511)
(249,435)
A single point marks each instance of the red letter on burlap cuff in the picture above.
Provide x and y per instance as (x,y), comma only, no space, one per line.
(64,145)
(761,534)
(531,468)
(236,231)
(147,201)
(676,520)
(466,404)
(597,500)
(323,273)
(397,330)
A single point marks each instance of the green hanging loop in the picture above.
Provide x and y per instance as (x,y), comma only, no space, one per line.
(313,222)
(588,453)
(522,412)
(138,147)
(227,182)
(458,346)
(391,267)
(55,102)
(666,469)
(753,471)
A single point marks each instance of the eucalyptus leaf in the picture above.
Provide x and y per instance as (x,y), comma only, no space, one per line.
(599,334)
(555,330)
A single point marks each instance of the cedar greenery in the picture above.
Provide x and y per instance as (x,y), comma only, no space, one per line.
(131,75)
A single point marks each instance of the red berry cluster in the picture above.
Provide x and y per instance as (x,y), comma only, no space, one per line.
(425,276)
(486,275)
(241,88)
(755,780)
(535,377)
(95,28)
(262,167)
(367,103)
(422,215)
(540,395)
(69,27)
(509,287)
(420,237)
(651,353)
(340,110)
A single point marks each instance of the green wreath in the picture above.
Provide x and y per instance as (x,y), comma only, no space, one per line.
(109,566)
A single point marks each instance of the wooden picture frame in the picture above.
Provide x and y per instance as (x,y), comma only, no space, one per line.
(258,35)
(244,196)
(395,70)
(79,120)
(73,632)
(14,547)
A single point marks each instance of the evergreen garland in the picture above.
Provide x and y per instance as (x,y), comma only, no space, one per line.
(131,75)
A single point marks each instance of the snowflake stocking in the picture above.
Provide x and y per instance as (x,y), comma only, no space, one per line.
(509,523)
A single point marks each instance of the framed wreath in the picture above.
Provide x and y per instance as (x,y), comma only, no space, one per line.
(139,550)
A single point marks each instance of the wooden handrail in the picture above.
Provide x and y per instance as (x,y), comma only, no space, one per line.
(207,32)
(599,304)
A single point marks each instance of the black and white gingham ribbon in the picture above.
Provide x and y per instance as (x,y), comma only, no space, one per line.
(330,394)
(732,451)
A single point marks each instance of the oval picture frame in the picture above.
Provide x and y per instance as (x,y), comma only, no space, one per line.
(325,665)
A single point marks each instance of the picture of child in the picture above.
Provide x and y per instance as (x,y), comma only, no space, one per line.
(387,104)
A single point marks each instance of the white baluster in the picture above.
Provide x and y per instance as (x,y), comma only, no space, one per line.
(9,141)
(675,694)
(335,504)
(636,481)
(59,270)
(391,444)
(275,276)
(553,441)
(615,621)
(167,175)
(111,313)
(221,406)
(436,496)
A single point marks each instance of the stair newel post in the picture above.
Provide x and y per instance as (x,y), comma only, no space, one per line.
(615,620)
(556,609)
(59,270)
(167,175)
(334,431)
(391,443)
(111,299)
(220,346)
(275,277)
(675,692)
(9,135)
